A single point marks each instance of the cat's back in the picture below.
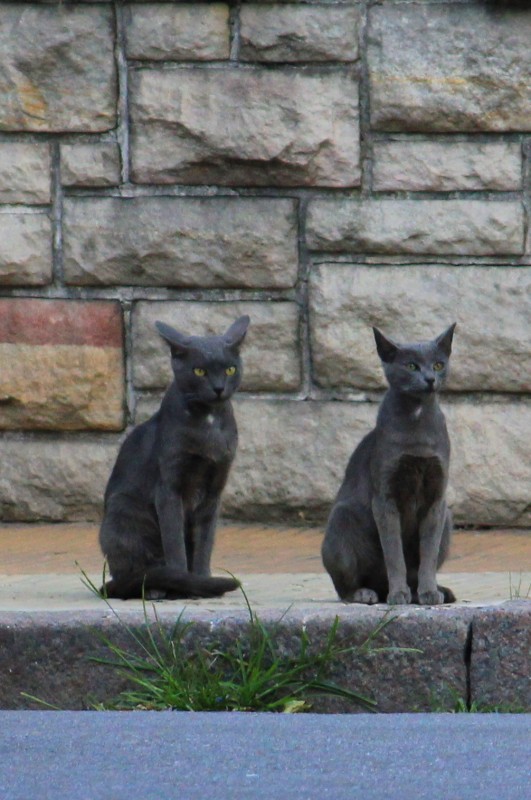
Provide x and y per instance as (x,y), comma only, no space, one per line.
(357,473)
(135,465)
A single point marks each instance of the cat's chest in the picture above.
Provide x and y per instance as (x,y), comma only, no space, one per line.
(213,439)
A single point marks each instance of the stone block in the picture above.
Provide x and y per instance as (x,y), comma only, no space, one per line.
(175,241)
(501,644)
(492,344)
(245,127)
(62,364)
(25,172)
(299,33)
(54,479)
(465,67)
(96,164)
(180,32)
(440,227)
(25,248)
(446,166)
(270,353)
(292,457)
(57,68)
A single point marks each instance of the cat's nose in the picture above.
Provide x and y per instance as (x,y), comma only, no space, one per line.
(430,382)
(218,390)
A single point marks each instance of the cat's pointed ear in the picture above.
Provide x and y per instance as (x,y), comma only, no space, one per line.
(235,335)
(444,341)
(178,342)
(386,348)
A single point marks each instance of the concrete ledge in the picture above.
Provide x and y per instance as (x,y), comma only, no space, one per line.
(479,654)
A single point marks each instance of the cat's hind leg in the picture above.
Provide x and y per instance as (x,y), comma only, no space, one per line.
(340,558)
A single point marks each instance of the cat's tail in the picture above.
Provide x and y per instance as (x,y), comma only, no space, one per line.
(166,582)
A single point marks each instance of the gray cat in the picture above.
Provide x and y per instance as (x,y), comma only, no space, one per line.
(162,499)
(389,529)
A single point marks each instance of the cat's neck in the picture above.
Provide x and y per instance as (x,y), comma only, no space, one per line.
(398,405)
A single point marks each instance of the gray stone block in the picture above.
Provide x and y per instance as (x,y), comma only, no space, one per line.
(51,479)
(245,126)
(51,655)
(25,172)
(25,248)
(57,69)
(446,166)
(442,227)
(175,241)
(465,67)
(492,344)
(501,644)
(180,32)
(96,164)
(270,354)
(299,33)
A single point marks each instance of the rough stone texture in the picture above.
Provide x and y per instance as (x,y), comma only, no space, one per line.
(181,32)
(173,241)
(90,164)
(492,344)
(25,172)
(299,33)
(50,656)
(445,227)
(57,68)
(54,479)
(501,645)
(446,166)
(245,127)
(25,248)
(62,365)
(270,354)
(465,68)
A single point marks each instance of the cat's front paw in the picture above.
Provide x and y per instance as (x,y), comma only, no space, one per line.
(431,598)
(400,598)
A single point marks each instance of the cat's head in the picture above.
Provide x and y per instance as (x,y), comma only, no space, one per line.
(207,369)
(416,369)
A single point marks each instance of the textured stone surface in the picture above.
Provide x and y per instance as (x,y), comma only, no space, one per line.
(446,227)
(492,344)
(465,68)
(245,127)
(24,172)
(62,364)
(54,479)
(299,33)
(270,354)
(180,32)
(173,241)
(25,248)
(501,645)
(95,164)
(446,166)
(60,650)
(57,68)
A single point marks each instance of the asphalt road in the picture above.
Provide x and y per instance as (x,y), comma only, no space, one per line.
(46,755)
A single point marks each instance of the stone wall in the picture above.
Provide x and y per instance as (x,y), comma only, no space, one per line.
(323,166)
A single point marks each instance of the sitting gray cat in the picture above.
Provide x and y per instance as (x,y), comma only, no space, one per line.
(163,495)
(389,529)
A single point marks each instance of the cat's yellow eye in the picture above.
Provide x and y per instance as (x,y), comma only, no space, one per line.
(438,366)
(200,372)
(230,371)
(412,366)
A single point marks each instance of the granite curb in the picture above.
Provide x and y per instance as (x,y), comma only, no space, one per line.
(437,656)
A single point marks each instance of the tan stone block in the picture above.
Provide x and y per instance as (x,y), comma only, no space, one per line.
(25,172)
(96,164)
(270,354)
(178,32)
(25,248)
(246,126)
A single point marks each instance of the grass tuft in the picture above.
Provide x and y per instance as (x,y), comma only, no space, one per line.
(167,669)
